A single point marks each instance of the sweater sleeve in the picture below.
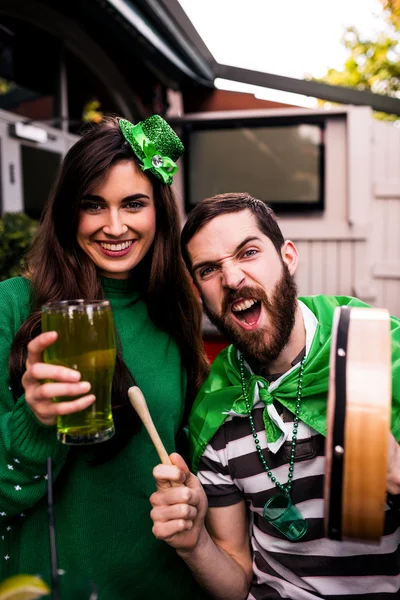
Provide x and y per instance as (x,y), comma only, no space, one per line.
(25,443)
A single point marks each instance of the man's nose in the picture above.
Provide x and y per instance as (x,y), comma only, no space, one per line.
(115,225)
(232,277)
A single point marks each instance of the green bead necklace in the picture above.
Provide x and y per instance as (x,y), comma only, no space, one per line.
(279,510)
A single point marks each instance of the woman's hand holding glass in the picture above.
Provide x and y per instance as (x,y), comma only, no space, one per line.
(63,382)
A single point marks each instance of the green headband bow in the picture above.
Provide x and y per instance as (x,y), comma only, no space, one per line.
(146,150)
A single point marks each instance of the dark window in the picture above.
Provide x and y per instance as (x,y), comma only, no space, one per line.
(29,67)
(279,162)
(39,170)
(88,98)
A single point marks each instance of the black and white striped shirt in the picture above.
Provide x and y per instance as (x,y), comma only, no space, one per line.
(314,567)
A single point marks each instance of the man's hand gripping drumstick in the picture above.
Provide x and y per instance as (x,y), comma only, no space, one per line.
(179,504)
(178,514)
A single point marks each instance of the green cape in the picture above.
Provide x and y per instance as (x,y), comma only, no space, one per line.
(222,391)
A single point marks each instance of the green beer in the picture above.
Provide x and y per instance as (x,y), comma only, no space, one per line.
(86,343)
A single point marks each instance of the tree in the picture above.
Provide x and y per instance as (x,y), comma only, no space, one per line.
(392,12)
(17,231)
(372,64)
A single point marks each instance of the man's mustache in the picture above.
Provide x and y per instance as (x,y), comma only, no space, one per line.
(243,294)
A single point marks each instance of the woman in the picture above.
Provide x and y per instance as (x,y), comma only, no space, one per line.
(110,229)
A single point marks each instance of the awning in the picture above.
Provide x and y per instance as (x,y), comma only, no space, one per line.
(175,20)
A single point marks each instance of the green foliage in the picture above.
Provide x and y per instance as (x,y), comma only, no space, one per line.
(372,64)
(16,234)
(6,86)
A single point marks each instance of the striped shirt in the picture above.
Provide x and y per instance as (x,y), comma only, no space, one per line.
(314,567)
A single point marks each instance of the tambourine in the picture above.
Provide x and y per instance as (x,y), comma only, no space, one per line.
(358,424)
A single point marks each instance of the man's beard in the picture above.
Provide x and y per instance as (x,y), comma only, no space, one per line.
(263,345)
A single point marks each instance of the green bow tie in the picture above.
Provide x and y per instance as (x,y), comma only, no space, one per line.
(255,383)
(271,429)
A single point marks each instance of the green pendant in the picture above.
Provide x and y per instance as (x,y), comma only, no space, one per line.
(285,517)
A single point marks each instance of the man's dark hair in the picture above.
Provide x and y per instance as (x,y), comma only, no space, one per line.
(223,204)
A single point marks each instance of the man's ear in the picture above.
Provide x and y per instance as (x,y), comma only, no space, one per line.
(290,256)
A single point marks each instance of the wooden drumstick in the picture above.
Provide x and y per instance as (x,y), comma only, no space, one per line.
(138,402)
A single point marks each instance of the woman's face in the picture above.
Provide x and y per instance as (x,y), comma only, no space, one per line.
(117,221)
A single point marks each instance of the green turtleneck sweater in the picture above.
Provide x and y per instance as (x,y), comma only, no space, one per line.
(102,522)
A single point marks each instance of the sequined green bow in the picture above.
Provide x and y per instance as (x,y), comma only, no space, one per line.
(164,165)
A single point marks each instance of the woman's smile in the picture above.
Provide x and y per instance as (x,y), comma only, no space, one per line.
(115,249)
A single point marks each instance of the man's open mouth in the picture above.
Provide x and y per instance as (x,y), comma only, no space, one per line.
(247,311)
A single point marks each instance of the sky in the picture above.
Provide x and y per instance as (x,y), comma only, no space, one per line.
(296,38)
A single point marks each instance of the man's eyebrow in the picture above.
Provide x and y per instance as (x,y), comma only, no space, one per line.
(238,248)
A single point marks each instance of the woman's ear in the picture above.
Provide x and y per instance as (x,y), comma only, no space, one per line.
(290,256)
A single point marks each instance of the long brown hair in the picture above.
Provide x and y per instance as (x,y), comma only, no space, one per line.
(59,269)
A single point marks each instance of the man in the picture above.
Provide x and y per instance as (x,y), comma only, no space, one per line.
(257,427)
